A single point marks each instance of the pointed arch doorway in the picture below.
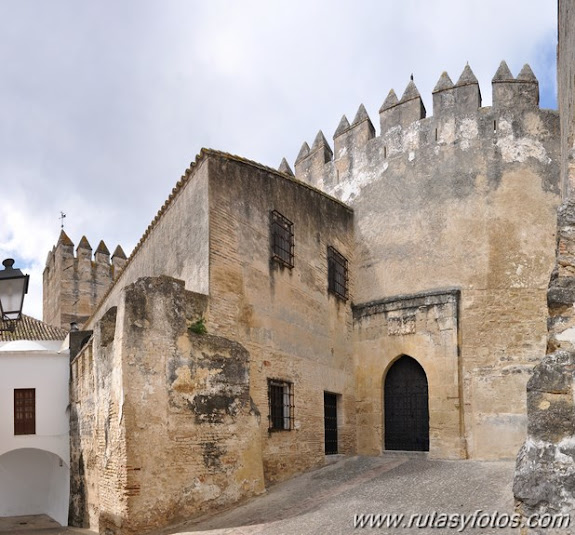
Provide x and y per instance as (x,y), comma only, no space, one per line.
(406,403)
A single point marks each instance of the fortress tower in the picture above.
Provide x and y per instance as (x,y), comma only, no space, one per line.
(73,284)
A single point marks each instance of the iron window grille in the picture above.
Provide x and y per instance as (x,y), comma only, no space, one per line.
(282,239)
(337,274)
(25,411)
(281,408)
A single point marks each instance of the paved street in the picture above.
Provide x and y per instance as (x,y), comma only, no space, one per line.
(36,525)
(326,500)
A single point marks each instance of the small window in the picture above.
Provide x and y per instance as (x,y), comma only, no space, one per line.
(337,281)
(282,239)
(280,399)
(25,411)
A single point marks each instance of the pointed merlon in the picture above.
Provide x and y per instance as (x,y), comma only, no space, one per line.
(411,92)
(319,141)
(503,73)
(443,83)
(64,240)
(119,253)
(341,127)
(321,146)
(467,77)
(285,168)
(303,152)
(102,248)
(361,115)
(84,244)
(390,101)
(526,74)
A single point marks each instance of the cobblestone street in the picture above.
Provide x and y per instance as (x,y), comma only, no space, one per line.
(327,500)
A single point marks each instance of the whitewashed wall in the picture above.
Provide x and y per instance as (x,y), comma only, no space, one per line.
(34,469)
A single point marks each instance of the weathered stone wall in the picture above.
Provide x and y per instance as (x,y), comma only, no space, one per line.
(293,328)
(424,327)
(546,462)
(566,96)
(165,424)
(467,199)
(98,457)
(176,242)
(74,284)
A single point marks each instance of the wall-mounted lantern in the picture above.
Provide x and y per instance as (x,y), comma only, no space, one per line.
(13,288)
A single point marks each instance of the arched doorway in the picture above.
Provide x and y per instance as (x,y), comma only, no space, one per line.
(406,406)
(34,482)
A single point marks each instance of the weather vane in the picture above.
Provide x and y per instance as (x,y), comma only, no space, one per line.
(62,216)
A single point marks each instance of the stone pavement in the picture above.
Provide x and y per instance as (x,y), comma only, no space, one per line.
(325,501)
(36,525)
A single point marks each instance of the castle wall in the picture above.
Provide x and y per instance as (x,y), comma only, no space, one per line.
(176,243)
(424,327)
(98,457)
(566,94)
(463,199)
(545,462)
(293,328)
(165,428)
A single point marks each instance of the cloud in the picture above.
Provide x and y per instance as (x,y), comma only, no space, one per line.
(105,104)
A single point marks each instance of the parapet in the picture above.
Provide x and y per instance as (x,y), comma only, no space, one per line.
(64,248)
(74,281)
(403,112)
(453,104)
(522,91)
(460,98)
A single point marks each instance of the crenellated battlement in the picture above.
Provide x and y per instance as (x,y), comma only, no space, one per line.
(74,281)
(459,122)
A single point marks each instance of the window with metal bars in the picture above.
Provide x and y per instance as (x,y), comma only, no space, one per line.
(337,278)
(280,400)
(25,411)
(282,239)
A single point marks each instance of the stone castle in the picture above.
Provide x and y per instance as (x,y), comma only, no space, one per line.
(391,294)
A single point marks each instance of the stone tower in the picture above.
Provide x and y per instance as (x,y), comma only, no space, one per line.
(74,283)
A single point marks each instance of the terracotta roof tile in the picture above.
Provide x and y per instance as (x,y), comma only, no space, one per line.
(29,328)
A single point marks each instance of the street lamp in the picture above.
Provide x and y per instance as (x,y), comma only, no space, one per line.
(13,287)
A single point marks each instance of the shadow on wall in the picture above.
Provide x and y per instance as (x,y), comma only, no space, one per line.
(33,482)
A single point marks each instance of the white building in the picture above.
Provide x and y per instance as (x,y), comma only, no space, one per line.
(34,425)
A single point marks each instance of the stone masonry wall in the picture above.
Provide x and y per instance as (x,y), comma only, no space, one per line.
(545,468)
(175,243)
(463,199)
(74,284)
(294,329)
(98,457)
(424,327)
(174,430)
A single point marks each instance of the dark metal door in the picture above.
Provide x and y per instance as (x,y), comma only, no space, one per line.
(330,422)
(406,406)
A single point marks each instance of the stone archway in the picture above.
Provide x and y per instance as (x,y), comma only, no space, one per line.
(406,404)
(33,482)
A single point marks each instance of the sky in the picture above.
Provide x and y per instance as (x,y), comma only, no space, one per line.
(104,104)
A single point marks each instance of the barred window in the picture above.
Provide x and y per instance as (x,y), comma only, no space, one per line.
(280,400)
(337,280)
(25,411)
(282,239)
